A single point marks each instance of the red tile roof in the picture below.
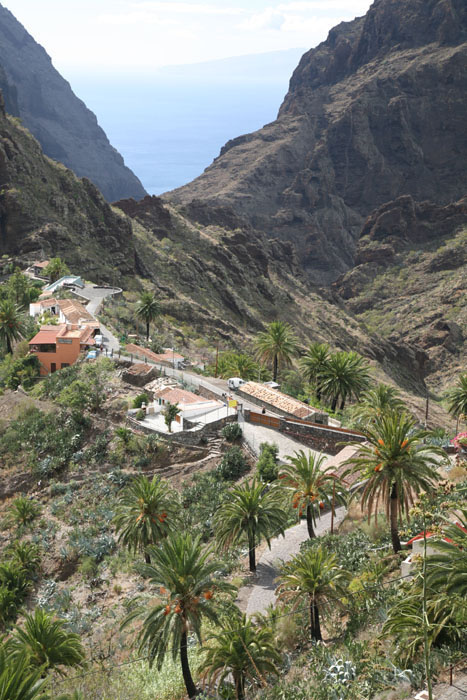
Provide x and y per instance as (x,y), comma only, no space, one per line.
(46,335)
(155,357)
(275,398)
(179,396)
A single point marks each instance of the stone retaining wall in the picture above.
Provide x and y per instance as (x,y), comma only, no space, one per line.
(322,439)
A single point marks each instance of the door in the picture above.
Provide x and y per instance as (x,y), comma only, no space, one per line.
(53,367)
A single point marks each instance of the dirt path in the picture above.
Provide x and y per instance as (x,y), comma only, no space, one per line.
(256,596)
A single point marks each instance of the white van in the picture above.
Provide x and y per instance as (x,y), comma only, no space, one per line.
(98,340)
(235,382)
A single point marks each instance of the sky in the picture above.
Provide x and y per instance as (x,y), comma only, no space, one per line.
(85,36)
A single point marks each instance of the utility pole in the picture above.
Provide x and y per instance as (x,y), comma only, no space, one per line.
(426,408)
(333,502)
(217,360)
(425,618)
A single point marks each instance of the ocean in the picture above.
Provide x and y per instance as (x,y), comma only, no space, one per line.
(170,126)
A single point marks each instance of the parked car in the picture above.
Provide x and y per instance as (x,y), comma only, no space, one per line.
(99,340)
(235,382)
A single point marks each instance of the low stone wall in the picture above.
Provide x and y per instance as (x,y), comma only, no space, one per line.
(322,439)
(207,393)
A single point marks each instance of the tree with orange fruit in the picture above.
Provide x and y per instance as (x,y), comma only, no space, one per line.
(311,486)
(188,591)
(395,465)
(145,511)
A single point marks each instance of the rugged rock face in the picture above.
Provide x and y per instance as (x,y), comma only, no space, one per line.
(65,128)
(46,210)
(409,283)
(375,112)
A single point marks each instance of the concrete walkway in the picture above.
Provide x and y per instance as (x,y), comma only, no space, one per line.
(254,435)
(262,592)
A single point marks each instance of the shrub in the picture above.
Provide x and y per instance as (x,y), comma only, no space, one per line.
(14,586)
(139,400)
(233,465)
(231,432)
(23,511)
(267,465)
(26,555)
(140,415)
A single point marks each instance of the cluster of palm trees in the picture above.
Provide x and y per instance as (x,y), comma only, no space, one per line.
(336,377)
(394,466)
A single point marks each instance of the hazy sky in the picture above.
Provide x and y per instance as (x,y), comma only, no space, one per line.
(89,35)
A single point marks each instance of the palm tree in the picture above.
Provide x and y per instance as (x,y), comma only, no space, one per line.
(185,575)
(241,365)
(147,308)
(313,363)
(55,269)
(396,465)
(405,622)
(310,484)
(12,326)
(377,401)
(46,643)
(252,512)
(277,344)
(170,412)
(18,681)
(345,375)
(457,398)
(448,566)
(242,649)
(315,574)
(145,510)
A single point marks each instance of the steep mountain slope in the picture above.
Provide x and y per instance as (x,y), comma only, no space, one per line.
(65,128)
(45,209)
(213,277)
(409,282)
(375,112)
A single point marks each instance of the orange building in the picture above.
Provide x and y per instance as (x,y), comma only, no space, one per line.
(60,346)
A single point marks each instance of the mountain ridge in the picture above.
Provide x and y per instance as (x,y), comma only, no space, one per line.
(67,130)
(362,124)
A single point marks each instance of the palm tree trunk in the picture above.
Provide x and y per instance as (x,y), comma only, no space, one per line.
(315,627)
(187,678)
(147,331)
(334,403)
(147,558)
(342,403)
(274,371)
(309,522)
(394,502)
(239,683)
(252,552)
(8,345)
(318,392)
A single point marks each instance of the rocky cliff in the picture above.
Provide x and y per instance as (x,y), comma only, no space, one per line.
(46,210)
(65,128)
(375,112)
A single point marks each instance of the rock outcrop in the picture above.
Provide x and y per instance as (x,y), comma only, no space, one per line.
(66,129)
(375,112)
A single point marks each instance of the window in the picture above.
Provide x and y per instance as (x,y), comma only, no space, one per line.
(65,364)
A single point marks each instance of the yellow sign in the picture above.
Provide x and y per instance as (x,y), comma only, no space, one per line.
(232,403)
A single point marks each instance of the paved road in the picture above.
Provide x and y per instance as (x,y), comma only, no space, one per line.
(95,295)
(262,592)
(254,435)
